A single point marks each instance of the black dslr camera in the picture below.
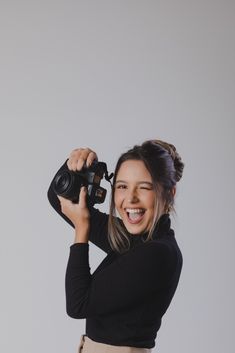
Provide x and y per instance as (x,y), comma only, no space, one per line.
(68,183)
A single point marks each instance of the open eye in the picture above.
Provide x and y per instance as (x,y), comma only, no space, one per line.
(121,186)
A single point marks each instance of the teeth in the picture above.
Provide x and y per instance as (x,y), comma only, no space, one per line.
(134,210)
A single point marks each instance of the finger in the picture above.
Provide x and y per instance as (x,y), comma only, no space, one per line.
(82,161)
(70,164)
(79,157)
(82,197)
(74,157)
(91,157)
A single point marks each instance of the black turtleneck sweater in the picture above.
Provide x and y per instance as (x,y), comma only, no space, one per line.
(123,301)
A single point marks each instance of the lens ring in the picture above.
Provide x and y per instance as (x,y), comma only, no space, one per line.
(62,182)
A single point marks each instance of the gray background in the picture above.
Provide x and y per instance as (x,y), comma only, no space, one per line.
(108,75)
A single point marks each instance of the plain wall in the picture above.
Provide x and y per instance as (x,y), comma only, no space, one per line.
(108,75)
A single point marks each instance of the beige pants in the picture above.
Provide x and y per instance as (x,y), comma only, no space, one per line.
(89,346)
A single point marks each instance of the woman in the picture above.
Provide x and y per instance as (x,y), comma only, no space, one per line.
(125,298)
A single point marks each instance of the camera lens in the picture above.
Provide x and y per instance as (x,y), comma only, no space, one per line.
(62,182)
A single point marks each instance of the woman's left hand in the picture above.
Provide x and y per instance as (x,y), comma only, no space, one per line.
(78,213)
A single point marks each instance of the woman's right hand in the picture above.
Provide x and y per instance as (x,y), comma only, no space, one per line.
(78,213)
(80,157)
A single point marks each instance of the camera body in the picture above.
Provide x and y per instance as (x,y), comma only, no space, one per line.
(67,183)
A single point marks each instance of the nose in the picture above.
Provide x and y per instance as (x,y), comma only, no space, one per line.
(132,196)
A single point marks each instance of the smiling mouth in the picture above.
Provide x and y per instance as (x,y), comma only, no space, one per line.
(135,216)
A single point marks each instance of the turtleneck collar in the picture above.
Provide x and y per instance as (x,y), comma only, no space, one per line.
(162,228)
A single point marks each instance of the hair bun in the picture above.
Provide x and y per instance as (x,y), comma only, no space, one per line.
(179,165)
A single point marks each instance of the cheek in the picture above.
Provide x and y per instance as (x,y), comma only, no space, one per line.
(116,199)
(150,202)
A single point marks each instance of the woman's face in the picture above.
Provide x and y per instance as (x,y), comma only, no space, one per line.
(134,196)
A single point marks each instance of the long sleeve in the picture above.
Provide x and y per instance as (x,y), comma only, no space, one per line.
(127,281)
(98,221)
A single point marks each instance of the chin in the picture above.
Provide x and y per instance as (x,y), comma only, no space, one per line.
(136,230)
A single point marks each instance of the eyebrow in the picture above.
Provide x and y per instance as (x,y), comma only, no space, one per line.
(139,182)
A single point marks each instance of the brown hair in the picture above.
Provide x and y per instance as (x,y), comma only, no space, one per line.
(166,168)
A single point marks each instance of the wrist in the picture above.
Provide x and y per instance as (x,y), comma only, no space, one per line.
(82,228)
(81,234)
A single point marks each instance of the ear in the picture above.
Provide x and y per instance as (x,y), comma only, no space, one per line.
(173,190)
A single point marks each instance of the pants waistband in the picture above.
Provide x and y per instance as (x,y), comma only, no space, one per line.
(87,345)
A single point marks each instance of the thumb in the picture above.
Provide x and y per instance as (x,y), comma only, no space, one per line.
(82,197)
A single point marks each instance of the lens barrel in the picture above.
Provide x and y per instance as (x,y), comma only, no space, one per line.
(68,184)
